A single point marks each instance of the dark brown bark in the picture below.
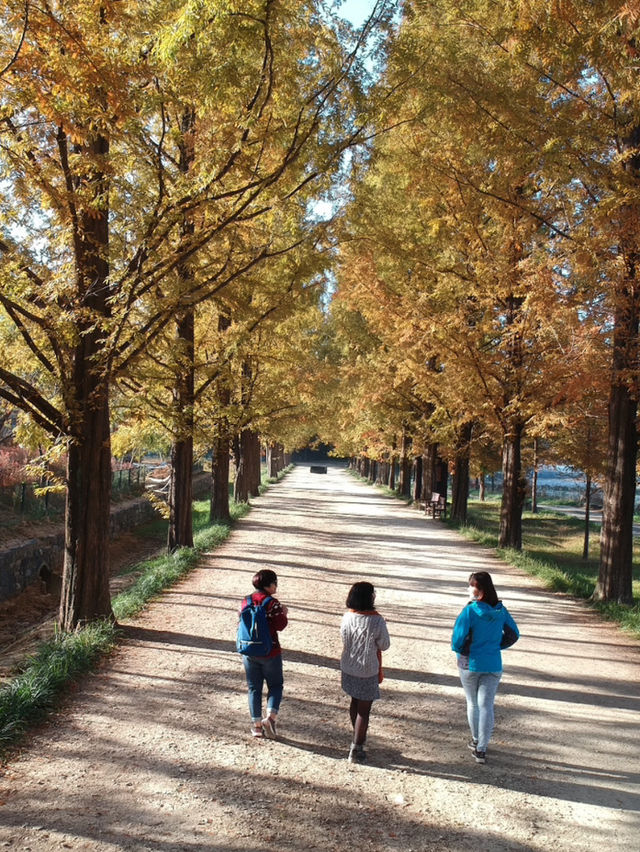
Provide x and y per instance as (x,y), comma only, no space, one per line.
(616,536)
(220,462)
(247,480)
(587,514)
(404,481)
(513,488)
(615,576)
(251,454)
(417,479)
(460,485)
(85,579)
(180,532)
(275,459)
(391,473)
(221,450)
(482,487)
(429,459)
(534,483)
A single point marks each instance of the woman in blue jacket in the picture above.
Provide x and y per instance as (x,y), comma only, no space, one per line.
(483,627)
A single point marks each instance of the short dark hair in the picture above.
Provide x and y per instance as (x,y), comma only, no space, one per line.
(483,581)
(361,596)
(264,578)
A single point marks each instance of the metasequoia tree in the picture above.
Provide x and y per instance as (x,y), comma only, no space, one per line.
(558,82)
(490,108)
(460,294)
(104,236)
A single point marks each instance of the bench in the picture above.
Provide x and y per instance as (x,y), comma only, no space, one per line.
(437,506)
(318,468)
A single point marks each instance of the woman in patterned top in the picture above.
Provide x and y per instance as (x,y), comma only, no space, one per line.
(364,637)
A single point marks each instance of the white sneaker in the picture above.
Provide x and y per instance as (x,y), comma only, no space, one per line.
(270,728)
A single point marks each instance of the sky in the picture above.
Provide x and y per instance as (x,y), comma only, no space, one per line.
(356,11)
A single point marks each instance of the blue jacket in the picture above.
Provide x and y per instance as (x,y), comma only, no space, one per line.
(486,624)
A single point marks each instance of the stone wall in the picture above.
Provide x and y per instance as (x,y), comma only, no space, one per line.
(40,559)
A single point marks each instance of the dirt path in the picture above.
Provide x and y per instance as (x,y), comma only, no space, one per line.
(153,752)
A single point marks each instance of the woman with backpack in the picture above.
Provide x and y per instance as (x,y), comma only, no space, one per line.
(483,628)
(364,637)
(261,667)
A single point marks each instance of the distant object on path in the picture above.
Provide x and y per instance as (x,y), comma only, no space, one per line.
(318,468)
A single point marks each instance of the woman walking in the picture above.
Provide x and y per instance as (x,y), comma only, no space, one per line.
(483,627)
(364,637)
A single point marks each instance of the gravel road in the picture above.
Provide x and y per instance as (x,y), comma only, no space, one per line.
(153,752)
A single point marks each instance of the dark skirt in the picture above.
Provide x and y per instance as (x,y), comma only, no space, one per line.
(363,688)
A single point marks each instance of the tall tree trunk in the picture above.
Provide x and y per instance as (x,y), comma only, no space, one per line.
(417,480)
(616,536)
(275,459)
(180,532)
(483,488)
(513,488)
(220,462)
(534,482)
(460,487)
(219,502)
(240,487)
(404,485)
(247,466)
(429,459)
(252,455)
(587,518)
(85,577)
(615,576)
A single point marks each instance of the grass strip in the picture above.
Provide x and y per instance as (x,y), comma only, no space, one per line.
(552,551)
(34,692)
(552,544)
(36,689)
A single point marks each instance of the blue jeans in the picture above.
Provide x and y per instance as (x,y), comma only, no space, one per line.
(480,691)
(258,670)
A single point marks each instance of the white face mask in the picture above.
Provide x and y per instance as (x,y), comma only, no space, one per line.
(472,593)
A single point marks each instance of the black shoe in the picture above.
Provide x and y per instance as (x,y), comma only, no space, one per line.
(480,756)
(357,754)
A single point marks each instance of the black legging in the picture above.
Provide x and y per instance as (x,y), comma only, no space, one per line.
(359,711)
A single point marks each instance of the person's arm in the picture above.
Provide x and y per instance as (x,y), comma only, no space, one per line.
(383,640)
(510,632)
(277,614)
(461,630)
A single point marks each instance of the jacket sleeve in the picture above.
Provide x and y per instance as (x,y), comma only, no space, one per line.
(276,615)
(510,634)
(383,641)
(460,630)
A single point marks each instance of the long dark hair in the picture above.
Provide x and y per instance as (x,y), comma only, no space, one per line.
(361,596)
(483,581)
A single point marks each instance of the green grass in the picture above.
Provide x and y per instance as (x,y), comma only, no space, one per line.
(43,677)
(33,693)
(552,545)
